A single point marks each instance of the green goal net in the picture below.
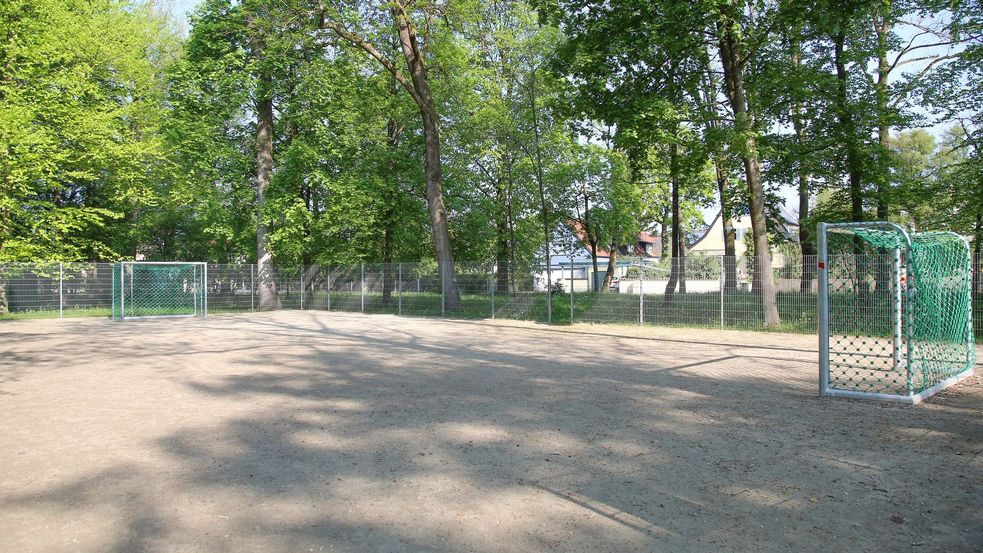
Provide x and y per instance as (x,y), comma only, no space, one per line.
(159,289)
(894,311)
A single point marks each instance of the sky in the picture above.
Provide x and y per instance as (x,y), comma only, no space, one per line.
(180,10)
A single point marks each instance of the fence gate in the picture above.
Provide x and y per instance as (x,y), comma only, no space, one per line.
(894,311)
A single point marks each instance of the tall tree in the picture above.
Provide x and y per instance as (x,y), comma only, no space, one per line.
(732,32)
(418,87)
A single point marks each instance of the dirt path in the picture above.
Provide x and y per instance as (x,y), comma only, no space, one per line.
(311,431)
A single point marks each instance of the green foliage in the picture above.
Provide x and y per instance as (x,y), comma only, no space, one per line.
(81,150)
(118,139)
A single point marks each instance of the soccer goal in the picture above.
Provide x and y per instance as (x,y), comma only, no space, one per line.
(159,289)
(895,318)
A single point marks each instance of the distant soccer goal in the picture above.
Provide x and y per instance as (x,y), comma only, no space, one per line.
(895,317)
(143,289)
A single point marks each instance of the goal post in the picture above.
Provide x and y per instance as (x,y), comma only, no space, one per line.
(144,289)
(895,317)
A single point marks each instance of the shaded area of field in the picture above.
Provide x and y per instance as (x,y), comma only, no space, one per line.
(300,431)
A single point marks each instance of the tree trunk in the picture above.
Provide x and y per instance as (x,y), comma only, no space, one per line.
(848,128)
(265,275)
(389,265)
(591,241)
(438,216)
(432,164)
(723,185)
(4,306)
(541,181)
(611,268)
(675,272)
(882,26)
(389,212)
(731,58)
(730,246)
(807,245)
(502,237)
(853,160)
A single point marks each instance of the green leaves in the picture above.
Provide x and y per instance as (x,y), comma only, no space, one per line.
(79,128)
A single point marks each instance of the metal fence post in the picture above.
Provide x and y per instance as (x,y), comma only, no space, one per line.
(301,287)
(122,290)
(204,296)
(363,289)
(722,284)
(329,288)
(61,296)
(252,288)
(399,290)
(443,296)
(494,285)
(641,294)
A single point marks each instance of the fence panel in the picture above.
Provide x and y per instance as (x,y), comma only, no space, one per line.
(524,298)
(978,297)
(419,290)
(231,288)
(719,292)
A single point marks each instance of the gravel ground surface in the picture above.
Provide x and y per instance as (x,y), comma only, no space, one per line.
(313,431)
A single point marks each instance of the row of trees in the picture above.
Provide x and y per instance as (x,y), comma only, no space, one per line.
(333,131)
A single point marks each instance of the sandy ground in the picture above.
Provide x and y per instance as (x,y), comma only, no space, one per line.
(311,431)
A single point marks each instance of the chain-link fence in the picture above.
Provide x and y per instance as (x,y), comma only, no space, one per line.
(706,291)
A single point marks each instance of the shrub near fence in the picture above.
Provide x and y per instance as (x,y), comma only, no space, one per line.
(32,290)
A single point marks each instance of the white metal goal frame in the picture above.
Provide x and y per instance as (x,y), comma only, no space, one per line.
(178,294)
(902,357)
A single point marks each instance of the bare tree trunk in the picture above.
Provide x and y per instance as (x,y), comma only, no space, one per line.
(853,159)
(502,237)
(418,87)
(389,214)
(674,272)
(611,268)
(733,63)
(723,186)
(541,181)
(730,246)
(389,269)
(432,163)
(4,306)
(848,127)
(265,273)
(807,245)
(591,240)
(882,26)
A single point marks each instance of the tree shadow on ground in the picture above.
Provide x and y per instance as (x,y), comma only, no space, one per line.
(388,435)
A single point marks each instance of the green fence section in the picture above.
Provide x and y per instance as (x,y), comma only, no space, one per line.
(54,290)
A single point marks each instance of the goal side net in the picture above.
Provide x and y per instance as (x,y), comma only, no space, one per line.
(895,317)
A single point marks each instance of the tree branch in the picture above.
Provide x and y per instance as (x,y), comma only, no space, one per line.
(375,53)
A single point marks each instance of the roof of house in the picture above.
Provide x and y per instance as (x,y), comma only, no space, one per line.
(788,221)
(628,249)
(578,229)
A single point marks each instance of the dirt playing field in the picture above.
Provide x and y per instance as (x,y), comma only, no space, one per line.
(311,431)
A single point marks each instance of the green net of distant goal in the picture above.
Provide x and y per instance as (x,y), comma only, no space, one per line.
(159,289)
(895,311)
